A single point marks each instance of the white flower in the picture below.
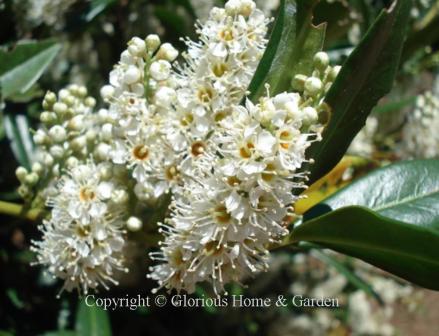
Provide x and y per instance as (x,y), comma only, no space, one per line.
(84,256)
(233,205)
(82,195)
(160,70)
(83,241)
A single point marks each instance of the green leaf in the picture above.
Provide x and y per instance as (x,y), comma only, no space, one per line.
(17,131)
(425,34)
(395,105)
(23,66)
(97,7)
(407,191)
(92,321)
(13,297)
(409,251)
(34,92)
(366,76)
(290,50)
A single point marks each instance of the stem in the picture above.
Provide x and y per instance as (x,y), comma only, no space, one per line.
(19,210)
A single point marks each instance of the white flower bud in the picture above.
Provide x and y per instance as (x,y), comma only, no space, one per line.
(310,115)
(40,137)
(91,135)
(56,171)
(239,7)
(76,123)
(165,96)
(21,174)
(48,160)
(103,115)
(107,92)
(102,151)
(120,196)
(321,60)
(313,86)
(105,171)
(152,42)
(70,101)
(73,88)
(134,224)
(78,143)
(132,75)
(107,132)
(37,168)
(60,108)
(63,94)
(72,162)
(31,179)
(58,133)
(47,117)
(217,13)
(82,91)
(298,82)
(137,46)
(90,102)
(167,52)
(160,70)
(127,58)
(50,98)
(56,151)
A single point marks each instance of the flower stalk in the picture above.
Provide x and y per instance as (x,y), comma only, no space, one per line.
(19,210)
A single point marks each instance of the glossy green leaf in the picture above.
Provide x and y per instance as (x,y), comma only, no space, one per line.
(407,191)
(409,251)
(366,76)
(290,50)
(18,133)
(23,66)
(92,321)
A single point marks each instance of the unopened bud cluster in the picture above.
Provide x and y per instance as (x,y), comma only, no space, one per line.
(315,87)
(68,134)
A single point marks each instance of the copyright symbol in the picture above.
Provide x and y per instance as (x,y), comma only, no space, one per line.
(160,300)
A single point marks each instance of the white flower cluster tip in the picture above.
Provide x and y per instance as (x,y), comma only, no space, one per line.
(83,240)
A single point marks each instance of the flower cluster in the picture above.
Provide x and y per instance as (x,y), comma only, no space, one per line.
(239,198)
(419,136)
(83,240)
(69,134)
(179,128)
